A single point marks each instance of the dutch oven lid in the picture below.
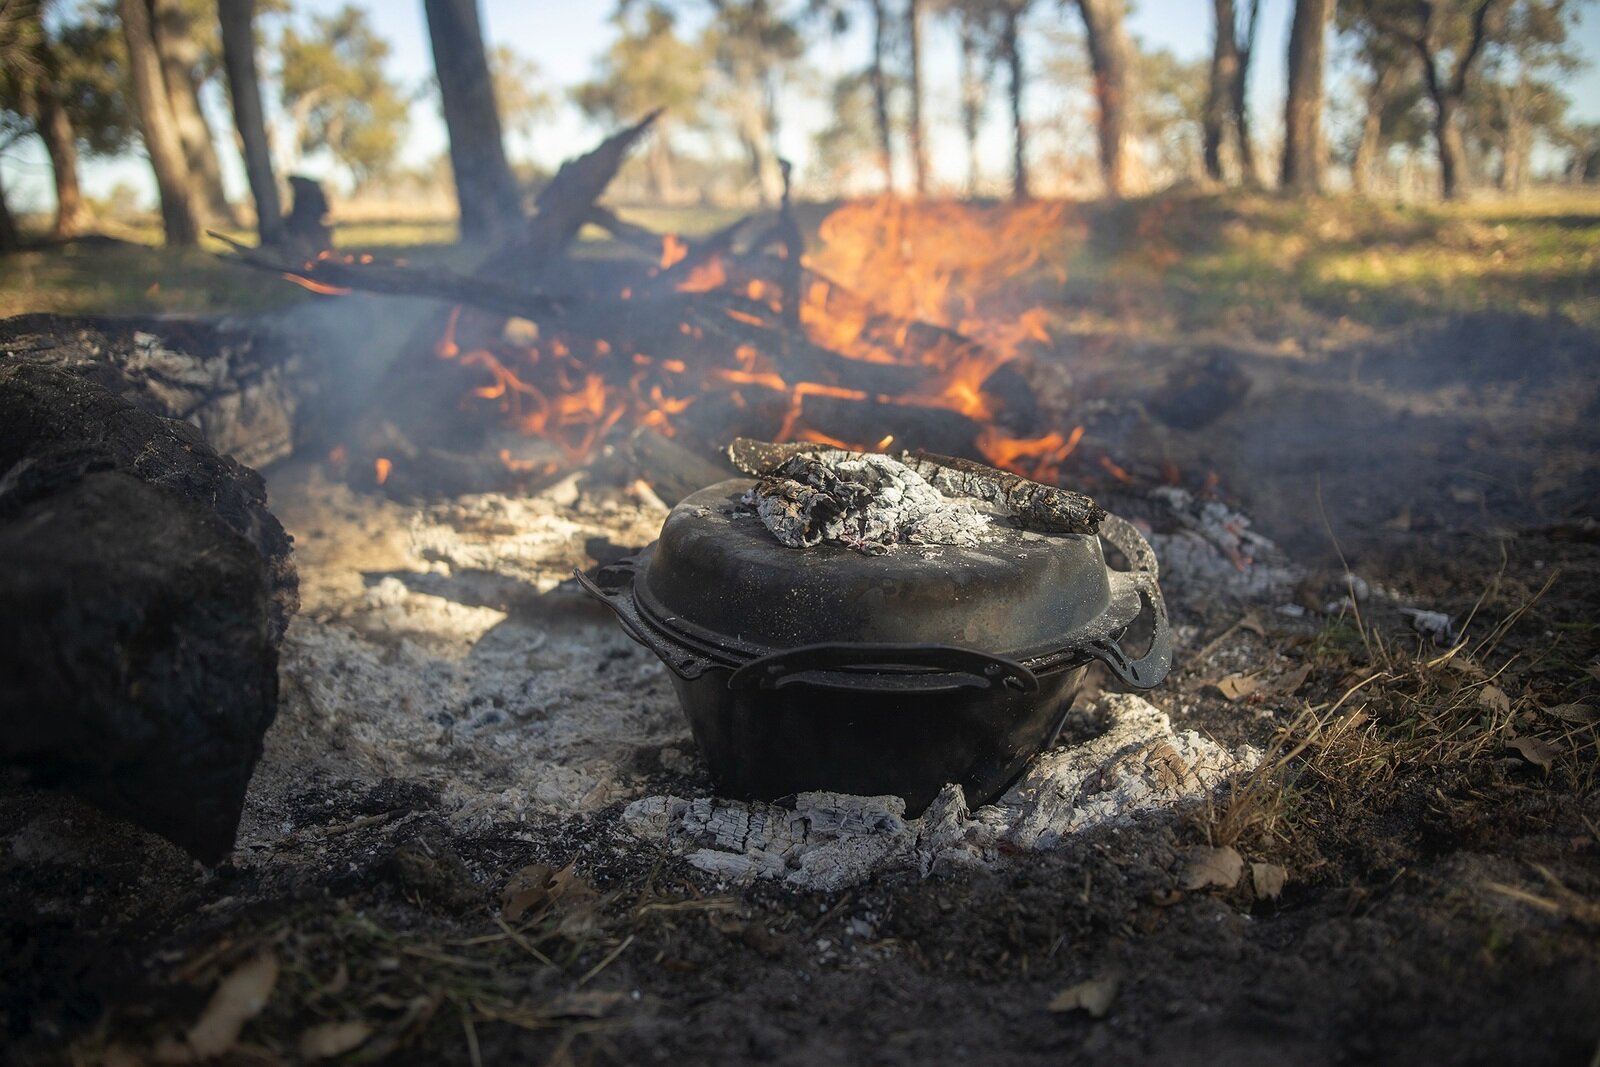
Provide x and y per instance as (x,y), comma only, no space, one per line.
(718,577)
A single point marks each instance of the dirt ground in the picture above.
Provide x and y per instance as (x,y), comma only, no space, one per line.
(1435,818)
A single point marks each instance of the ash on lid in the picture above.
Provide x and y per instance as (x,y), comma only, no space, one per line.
(865,501)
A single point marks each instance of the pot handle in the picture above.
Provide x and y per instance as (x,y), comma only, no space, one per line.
(610,586)
(954,667)
(1149,669)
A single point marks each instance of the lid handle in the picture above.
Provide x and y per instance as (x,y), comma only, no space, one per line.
(906,668)
(1149,669)
(613,586)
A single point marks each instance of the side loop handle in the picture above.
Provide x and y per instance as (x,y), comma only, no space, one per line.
(1148,670)
(905,668)
(612,586)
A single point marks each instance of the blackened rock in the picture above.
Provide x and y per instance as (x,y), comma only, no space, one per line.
(144,593)
(56,425)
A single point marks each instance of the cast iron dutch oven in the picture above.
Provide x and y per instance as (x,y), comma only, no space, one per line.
(825,669)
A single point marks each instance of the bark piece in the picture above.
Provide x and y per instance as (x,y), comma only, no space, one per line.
(145,594)
(1045,508)
(237,387)
(869,503)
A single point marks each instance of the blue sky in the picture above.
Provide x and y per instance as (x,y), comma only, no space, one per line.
(564,38)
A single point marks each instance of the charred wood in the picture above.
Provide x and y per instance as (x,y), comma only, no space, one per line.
(561,209)
(238,387)
(1035,506)
(146,592)
(340,273)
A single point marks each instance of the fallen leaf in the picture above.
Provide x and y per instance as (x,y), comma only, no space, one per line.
(1094,996)
(1219,867)
(1594,671)
(1252,622)
(528,890)
(1290,683)
(590,1004)
(328,1040)
(1236,687)
(1494,698)
(537,888)
(238,999)
(1268,879)
(1581,714)
(1536,751)
(1462,664)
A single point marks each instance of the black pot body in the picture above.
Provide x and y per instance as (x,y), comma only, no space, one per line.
(765,744)
(824,669)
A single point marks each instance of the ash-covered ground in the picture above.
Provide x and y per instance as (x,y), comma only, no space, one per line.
(480,832)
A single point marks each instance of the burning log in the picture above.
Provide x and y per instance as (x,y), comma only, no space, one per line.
(563,206)
(337,275)
(1045,508)
(146,591)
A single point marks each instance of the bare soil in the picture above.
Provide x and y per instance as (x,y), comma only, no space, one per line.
(1450,912)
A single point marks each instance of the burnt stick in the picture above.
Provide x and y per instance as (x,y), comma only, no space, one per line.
(1046,508)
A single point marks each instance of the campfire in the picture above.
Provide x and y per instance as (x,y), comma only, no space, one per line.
(908,326)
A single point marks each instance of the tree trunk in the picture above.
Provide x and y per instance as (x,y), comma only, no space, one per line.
(658,162)
(1011,46)
(1219,89)
(919,150)
(485,189)
(61,141)
(244,89)
(1447,95)
(1302,110)
(174,39)
(880,94)
(1515,144)
(160,130)
(1110,55)
(972,92)
(1453,181)
(1367,148)
(9,238)
(1241,101)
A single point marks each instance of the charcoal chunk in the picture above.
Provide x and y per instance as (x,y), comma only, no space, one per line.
(144,594)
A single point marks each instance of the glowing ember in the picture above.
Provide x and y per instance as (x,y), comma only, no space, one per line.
(935,297)
(672,250)
(381,468)
(318,287)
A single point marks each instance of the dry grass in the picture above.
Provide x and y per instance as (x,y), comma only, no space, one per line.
(1400,711)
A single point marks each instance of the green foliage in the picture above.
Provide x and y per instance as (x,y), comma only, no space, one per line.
(338,96)
(83,62)
(1167,110)
(646,67)
(849,143)
(519,93)
(92,82)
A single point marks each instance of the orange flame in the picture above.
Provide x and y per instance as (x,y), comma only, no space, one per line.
(948,293)
(672,250)
(381,468)
(319,287)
